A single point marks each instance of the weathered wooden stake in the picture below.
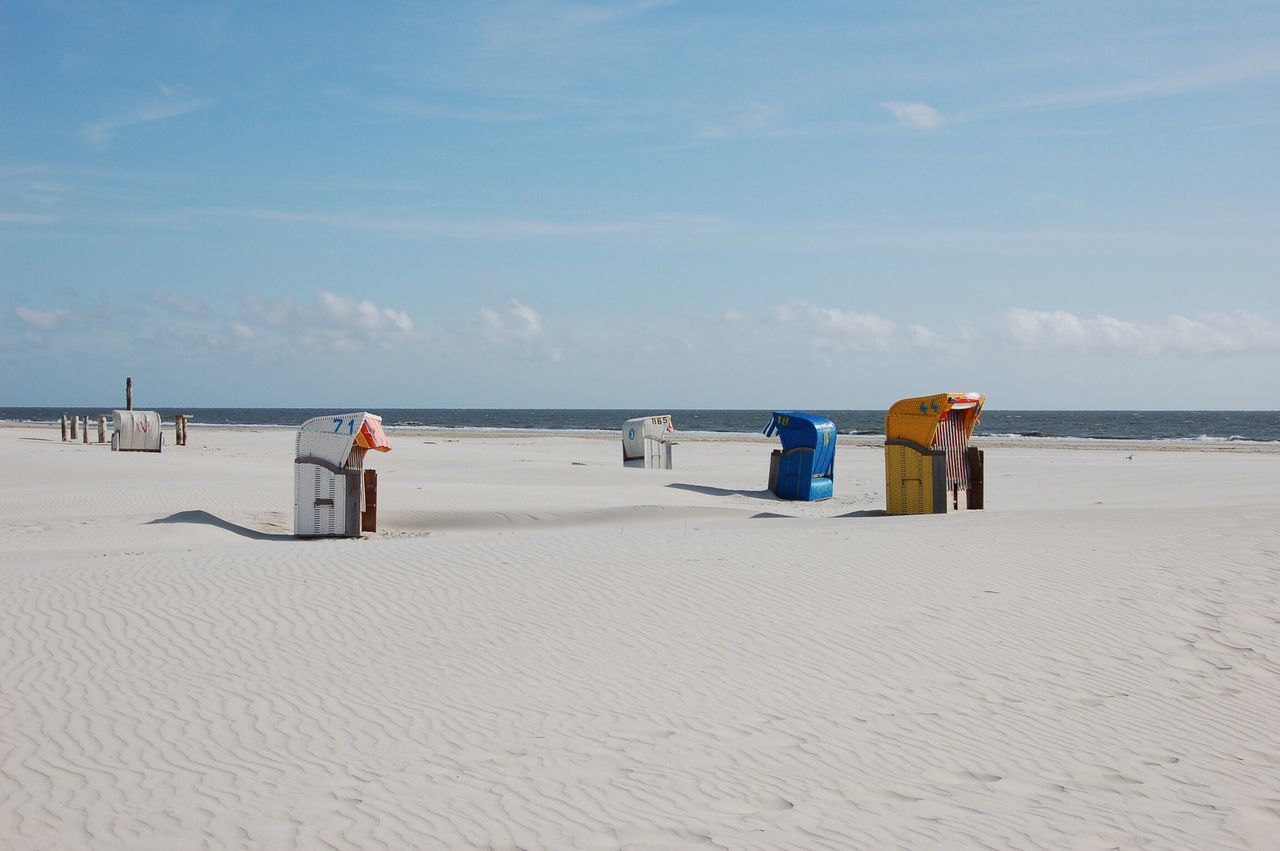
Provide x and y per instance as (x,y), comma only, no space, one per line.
(128,394)
(86,429)
(102,428)
(64,428)
(74,420)
(369,517)
(974,496)
(180,429)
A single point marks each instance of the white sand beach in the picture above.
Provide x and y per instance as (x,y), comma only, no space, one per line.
(542,650)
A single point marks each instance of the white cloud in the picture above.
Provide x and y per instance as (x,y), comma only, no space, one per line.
(845,330)
(919,116)
(516,322)
(1217,333)
(45,320)
(332,323)
(365,315)
(734,316)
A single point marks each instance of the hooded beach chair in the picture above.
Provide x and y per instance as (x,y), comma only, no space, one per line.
(927,453)
(804,468)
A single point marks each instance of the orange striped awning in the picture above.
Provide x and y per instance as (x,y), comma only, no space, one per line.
(372,436)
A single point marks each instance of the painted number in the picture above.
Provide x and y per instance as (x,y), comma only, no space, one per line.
(338,422)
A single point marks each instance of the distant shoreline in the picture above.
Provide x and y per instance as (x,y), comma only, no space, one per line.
(851,440)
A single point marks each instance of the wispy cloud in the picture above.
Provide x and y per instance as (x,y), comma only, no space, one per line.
(30,185)
(1216,333)
(172,103)
(490,228)
(404,106)
(526,23)
(11,218)
(919,116)
(274,312)
(1203,78)
(181,304)
(45,320)
(750,120)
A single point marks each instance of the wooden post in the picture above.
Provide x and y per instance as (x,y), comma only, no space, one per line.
(974,495)
(369,517)
(102,428)
(74,420)
(128,394)
(180,429)
(64,428)
(86,428)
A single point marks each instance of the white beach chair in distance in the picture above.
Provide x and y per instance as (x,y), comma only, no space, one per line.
(646,442)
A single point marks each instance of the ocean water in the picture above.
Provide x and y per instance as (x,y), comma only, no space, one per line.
(1203,426)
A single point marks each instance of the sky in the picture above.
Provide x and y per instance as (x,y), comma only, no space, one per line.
(640,203)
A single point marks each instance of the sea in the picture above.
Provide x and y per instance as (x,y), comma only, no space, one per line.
(1181,426)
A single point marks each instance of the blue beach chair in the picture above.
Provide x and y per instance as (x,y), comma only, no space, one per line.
(804,469)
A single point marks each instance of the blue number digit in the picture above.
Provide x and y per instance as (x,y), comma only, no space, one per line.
(351,426)
(337,424)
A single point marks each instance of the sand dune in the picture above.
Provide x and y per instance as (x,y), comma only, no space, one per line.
(542,650)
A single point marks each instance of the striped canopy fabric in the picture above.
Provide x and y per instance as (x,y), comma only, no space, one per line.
(952,437)
(371,435)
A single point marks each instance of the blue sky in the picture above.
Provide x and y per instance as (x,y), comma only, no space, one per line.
(635,204)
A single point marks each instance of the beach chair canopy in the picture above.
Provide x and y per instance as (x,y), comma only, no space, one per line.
(918,419)
(799,430)
(332,438)
(634,432)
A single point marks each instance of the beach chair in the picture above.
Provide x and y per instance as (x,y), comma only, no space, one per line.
(334,496)
(804,468)
(646,442)
(135,431)
(927,456)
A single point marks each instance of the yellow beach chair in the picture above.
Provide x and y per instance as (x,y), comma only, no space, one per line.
(927,453)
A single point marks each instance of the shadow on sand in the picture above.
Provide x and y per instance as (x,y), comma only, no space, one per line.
(207,519)
(772,497)
(710,491)
(877,512)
